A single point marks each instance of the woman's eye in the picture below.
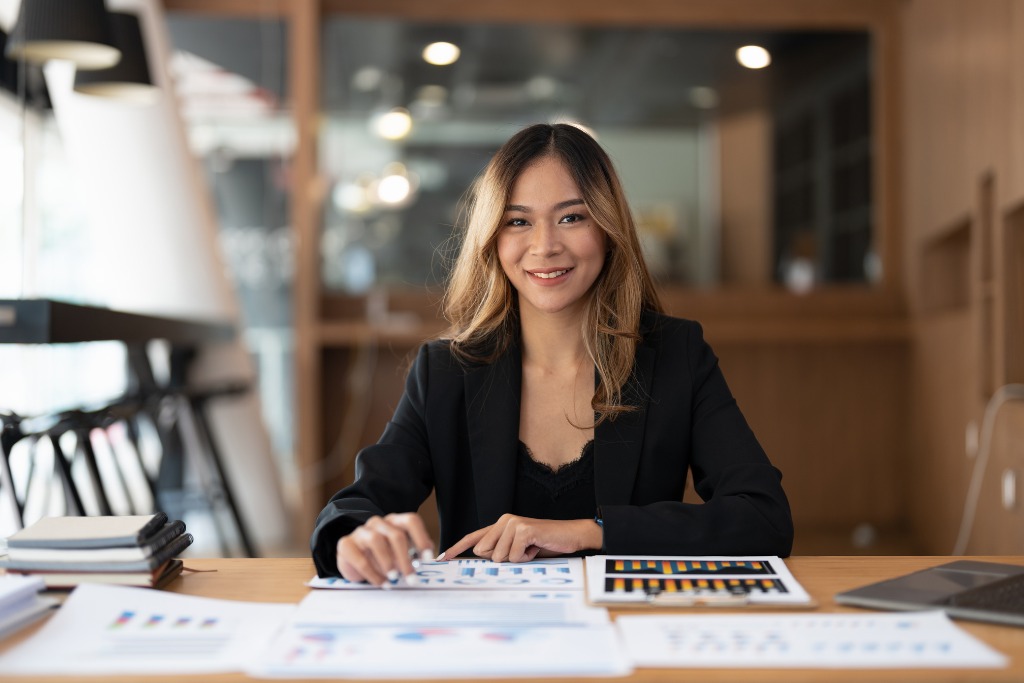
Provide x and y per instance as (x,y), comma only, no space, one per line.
(572,218)
(515,222)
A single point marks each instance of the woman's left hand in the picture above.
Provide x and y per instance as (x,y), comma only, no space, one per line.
(520,539)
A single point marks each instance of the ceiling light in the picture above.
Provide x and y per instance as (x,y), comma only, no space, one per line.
(753,56)
(394,189)
(73,30)
(441,54)
(395,124)
(129,79)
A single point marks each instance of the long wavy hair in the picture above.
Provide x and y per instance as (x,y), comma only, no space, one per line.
(482,306)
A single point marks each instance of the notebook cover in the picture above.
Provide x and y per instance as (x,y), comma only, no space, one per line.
(148,564)
(88,532)
(168,533)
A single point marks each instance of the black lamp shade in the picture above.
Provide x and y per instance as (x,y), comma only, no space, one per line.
(74,30)
(129,78)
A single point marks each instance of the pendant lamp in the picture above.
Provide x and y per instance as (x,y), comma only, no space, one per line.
(129,79)
(73,30)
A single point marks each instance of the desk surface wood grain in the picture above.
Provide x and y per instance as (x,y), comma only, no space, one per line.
(282,579)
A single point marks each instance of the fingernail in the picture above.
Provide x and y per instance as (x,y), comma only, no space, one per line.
(416,564)
(393,575)
(439,558)
(386,586)
(427,555)
(412,580)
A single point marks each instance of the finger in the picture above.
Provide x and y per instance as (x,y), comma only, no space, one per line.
(487,545)
(352,554)
(349,572)
(502,546)
(464,544)
(523,546)
(392,556)
(414,527)
(345,568)
(377,549)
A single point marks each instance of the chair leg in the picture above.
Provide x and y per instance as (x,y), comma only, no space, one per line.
(202,425)
(8,437)
(84,445)
(63,471)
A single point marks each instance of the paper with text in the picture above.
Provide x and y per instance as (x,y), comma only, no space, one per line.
(907,639)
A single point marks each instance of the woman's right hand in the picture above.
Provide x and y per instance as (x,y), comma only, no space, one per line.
(382,550)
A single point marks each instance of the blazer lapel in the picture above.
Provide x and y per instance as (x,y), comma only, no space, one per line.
(493,394)
(618,444)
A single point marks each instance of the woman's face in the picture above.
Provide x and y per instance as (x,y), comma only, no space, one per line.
(548,244)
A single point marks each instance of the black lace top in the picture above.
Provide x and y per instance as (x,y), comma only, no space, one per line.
(565,493)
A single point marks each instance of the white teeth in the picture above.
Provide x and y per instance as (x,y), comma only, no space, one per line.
(548,276)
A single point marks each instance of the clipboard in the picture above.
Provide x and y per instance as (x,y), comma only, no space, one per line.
(689,581)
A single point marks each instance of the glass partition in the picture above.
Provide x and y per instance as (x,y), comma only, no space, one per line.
(230,78)
(737,175)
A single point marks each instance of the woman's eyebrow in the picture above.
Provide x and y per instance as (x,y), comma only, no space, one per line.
(560,205)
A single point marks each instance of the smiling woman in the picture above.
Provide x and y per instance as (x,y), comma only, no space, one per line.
(562,410)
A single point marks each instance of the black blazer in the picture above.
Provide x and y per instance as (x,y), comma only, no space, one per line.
(456,430)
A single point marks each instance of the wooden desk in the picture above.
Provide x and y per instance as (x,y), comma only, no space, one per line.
(281,580)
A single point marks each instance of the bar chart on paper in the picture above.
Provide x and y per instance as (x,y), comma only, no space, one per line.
(548,574)
(693,580)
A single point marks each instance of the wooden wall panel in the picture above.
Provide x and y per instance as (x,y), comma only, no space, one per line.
(941,136)
(986,28)
(832,417)
(964,147)
(1014,194)
(942,405)
(746,199)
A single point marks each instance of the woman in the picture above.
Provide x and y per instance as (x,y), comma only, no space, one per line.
(562,409)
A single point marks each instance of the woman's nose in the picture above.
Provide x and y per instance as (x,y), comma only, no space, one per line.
(545,238)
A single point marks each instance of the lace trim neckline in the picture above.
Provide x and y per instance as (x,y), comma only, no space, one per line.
(584,452)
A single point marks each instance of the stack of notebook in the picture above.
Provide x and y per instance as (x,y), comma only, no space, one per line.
(133,550)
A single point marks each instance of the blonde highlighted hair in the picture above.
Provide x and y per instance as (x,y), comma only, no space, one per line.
(480,303)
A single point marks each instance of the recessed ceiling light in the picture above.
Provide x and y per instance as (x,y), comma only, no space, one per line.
(441,54)
(395,124)
(753,56)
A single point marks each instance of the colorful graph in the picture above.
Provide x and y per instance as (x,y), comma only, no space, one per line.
(133,620)
(703,587)
(719,580)
(687,567)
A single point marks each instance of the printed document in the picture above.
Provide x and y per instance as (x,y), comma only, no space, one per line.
(560,573)
(108,630)
(869,640)
(445,634)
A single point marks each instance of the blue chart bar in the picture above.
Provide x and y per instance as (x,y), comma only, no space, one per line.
(563,570)
(492,571)
(517,570)
(468,571)
(540,570)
